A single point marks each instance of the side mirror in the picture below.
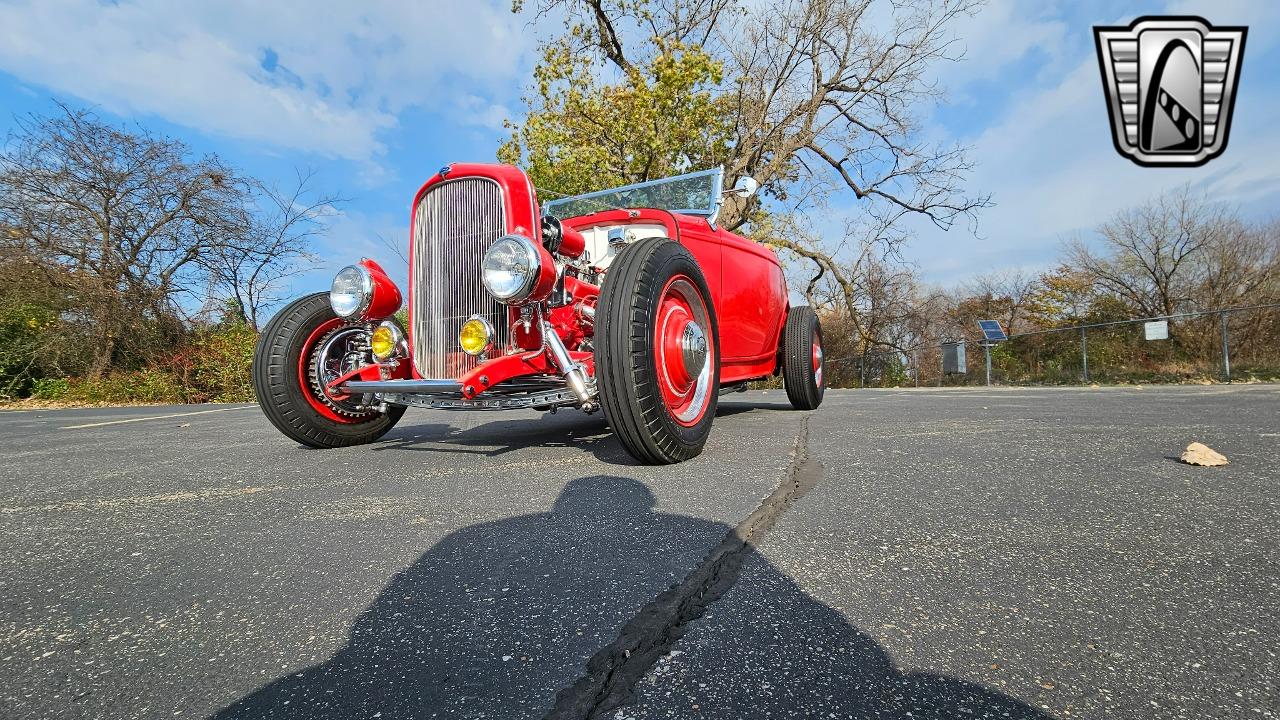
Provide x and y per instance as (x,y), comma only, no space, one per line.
(745,187)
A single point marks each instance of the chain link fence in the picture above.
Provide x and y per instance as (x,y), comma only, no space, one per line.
(1222,345)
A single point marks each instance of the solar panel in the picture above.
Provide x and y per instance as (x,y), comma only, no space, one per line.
(992,331)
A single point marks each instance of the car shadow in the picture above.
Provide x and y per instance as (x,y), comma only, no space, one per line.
(497,617)
(500,437)
(565,428)
(730,406)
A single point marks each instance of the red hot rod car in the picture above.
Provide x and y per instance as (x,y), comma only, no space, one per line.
(631,301)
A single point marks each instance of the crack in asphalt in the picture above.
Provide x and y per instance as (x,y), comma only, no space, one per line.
(612,673)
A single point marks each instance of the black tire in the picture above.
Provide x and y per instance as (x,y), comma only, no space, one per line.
(805,384)
(278,383)
(626,360)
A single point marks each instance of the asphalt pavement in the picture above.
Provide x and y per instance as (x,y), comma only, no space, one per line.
(914,553)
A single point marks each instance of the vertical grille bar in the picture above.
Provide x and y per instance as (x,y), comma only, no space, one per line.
(453,226)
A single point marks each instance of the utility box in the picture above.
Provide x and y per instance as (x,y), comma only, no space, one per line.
(953,362)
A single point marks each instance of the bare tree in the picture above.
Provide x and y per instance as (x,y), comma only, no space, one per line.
(1153,256)
(828,97)
(131,228)
(1007,295)
(126,214)
(1241,266)
(273,247)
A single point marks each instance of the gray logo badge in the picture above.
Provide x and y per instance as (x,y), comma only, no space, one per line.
(1170,84)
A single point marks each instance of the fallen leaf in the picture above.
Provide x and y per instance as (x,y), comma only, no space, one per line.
(1201,454)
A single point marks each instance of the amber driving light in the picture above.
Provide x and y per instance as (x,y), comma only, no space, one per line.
(475,335)
(386,341)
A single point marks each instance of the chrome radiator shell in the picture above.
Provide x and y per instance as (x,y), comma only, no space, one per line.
(453,225)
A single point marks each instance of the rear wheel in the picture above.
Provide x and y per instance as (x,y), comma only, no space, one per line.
(802,361)
(303,347)
(657,352)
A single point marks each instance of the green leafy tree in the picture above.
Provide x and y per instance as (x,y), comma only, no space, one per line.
(658,119)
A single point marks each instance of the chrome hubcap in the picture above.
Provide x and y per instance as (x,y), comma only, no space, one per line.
(693,348)
(817,363)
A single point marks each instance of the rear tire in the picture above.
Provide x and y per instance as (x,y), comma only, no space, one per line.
(658,377)
(802,359)
(282,366)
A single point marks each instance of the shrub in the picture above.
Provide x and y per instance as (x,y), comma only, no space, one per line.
(222,363)
(23,330)
(50,388)
(214,366)
(139,386)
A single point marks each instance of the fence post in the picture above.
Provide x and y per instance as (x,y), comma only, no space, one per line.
(862,370)
(1084,354)
(917,354)
(1226,347)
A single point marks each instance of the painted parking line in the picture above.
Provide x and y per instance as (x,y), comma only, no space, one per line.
(152,417)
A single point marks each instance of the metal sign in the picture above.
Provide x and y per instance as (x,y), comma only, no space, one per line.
(953,360)
(992,331)
(1156,330)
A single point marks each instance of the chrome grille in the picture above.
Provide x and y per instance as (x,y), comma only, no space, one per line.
(453,225)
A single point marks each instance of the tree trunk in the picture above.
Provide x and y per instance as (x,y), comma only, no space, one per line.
(103,350)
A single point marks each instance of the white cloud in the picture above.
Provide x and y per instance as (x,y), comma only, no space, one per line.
(475,110)
(333,82)
(1004,32)
(350,235)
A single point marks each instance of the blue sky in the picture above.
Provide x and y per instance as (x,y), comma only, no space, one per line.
(376,96)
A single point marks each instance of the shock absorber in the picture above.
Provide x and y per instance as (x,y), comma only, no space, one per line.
(573,375)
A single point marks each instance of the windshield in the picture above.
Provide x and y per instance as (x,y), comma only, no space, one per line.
(693,194)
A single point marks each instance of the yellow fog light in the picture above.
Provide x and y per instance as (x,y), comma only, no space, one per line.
(385,341)
(474,336)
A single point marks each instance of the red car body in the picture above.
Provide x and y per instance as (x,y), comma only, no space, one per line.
(745,278)
(703,309)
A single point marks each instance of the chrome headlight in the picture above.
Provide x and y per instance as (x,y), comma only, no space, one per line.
(510,268)
(351,292)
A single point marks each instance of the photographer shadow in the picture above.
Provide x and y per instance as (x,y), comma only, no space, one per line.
(495,618)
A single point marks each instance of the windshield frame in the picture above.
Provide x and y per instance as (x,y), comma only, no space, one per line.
(709,212)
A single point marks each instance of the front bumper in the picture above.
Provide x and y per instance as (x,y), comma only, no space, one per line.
(360,387)
(448,394)
(549,377)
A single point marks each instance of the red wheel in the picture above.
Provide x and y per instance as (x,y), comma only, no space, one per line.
(300,352)
(333,350)
(817,359)
(316,367)
(684,357)
(657,352)
(802,363)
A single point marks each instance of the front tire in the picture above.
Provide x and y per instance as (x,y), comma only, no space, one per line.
(284,377)
(802,361)
(657,352)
